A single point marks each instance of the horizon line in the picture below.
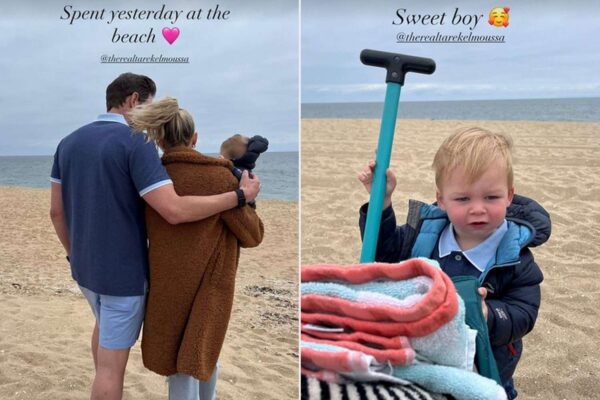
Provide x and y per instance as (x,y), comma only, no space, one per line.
(52,155)
(449,101)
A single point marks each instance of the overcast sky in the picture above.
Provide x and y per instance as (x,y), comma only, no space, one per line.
(242,75)
(551,50)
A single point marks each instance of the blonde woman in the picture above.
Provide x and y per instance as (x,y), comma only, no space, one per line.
(192,266)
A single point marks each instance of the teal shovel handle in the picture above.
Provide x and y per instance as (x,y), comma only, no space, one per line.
(382,163)
(397,66)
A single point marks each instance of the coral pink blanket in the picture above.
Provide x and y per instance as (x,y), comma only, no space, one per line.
(435,308)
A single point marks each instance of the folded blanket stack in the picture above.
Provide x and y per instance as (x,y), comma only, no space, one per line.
(388,322)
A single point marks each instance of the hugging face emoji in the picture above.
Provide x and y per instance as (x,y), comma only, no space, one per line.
(499,16)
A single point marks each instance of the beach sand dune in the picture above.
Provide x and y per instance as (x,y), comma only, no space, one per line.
(556,163)
(45,324)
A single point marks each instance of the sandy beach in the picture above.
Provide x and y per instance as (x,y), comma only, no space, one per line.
(556,163)
(45,324)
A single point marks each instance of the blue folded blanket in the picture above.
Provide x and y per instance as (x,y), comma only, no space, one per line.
(459,383)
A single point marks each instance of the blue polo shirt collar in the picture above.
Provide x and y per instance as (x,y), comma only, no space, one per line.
(479,255)
(112,117)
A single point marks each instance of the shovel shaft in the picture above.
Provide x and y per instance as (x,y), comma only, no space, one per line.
(382,163)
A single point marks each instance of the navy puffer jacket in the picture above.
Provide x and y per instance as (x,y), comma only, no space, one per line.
(512,277)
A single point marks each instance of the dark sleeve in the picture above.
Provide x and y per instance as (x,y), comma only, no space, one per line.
(145,168)
(389,242)
(247,161)
(258,144)
(237,173)
(55,173)
(512,315)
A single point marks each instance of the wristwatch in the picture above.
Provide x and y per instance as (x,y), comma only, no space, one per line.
(241,197)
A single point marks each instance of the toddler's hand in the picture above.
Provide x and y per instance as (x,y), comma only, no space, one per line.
(483,293)
(366,178)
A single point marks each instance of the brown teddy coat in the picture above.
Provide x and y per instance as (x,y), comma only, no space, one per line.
(192,270)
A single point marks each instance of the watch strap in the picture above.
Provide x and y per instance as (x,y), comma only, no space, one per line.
(240,197)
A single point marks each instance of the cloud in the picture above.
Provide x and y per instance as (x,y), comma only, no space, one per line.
(242,77)
(347,88)
(448,91)
(549,52)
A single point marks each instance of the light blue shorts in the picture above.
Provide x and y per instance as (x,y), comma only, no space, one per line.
(119,318)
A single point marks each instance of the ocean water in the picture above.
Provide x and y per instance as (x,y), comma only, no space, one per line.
(575,109)
(278,172)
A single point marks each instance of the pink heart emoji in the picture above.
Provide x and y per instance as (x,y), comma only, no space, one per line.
(170,34)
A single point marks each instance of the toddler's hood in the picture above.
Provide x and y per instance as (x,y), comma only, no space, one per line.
(528,212)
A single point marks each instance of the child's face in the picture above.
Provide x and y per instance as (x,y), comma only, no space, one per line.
(475,209)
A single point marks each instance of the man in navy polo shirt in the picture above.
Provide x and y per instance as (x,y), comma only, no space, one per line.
(100,175)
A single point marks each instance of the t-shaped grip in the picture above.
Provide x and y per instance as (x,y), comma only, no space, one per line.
(397,65)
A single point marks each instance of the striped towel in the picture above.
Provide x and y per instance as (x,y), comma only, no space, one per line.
(315,389)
